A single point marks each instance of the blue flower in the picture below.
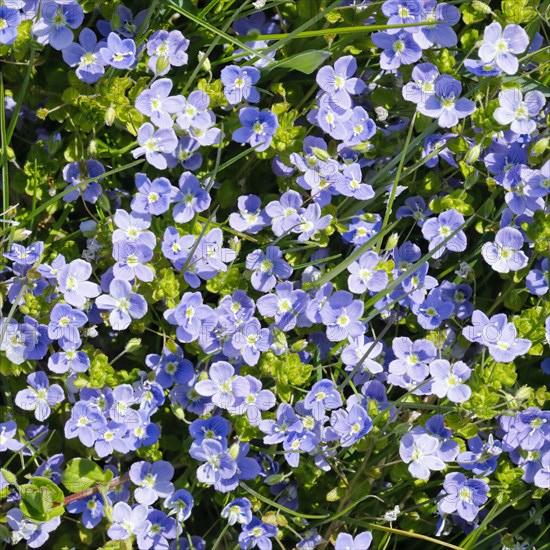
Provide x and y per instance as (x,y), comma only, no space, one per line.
(499,47)
(351,185)
(162,529)
(247,468)
(176,248)
(180,503)
(283,211)
(153,197)
(518,111)
(342,316)
(296,444)
(112,437)
(258,128)
(84,422)
(238,511)
(285,305)
(218,463)
(132,228)
(130,262)
(166,49)
(128,521)
(195,199)
(433,310)
(8,431)
(25,256)
(223,386)
(257,533)
(332,118)
(398,49)
(123,304)
(309,221)
(462,496)
(152,480)
(402,12)
(499,335)
(22,341)
(437,142)
(445,103)
(505,255)
(119,53)
(250,218)
(73,174)
(158,105)
(215,427)
(360,129)
(189,315)
(354,353)
(310,539)
(195,113)
(251,339)
(256,401)
(10,21)
(482,457)
(287,422)
(186,154)
(362,540)
(35,534)
(51,468)
(267,267)
(442,33)
(419,451)
(412,358)
(448,380)
(351,425)
(85,56)
(322,396)
(55,23)
(365,274)
(479,68)
(73,283)
(123,22)
(537,280)
(91,508)
(155,145)
(64,324)
(239,84)
(437,230)
(170,368)
(339,83)
(39,397)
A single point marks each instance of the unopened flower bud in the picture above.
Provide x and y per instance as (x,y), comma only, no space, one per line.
(133,344)
(540,146)
(110,115)
(201,56)
(473,154)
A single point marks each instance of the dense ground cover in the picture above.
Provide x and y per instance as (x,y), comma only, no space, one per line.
(275,274)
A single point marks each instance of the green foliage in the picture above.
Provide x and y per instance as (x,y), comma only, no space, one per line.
(519,11)
(41,499)
(81,474)
(459,200)
(539,231)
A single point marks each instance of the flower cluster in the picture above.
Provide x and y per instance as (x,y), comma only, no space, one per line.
(227,288)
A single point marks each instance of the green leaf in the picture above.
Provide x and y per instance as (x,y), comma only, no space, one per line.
(305,62)
(41,499)
(518,11)
(8,476)
(458,200)
(81,474)
(539,230)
